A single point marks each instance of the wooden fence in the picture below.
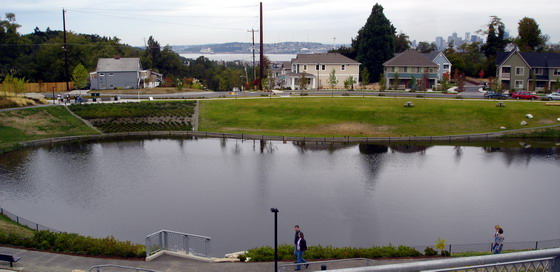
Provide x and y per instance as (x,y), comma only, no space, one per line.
(46,87)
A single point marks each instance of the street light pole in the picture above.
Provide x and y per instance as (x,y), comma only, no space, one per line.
(275,211)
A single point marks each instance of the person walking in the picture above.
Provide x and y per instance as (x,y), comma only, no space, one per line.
(296,237)
(498,244)
(301,247)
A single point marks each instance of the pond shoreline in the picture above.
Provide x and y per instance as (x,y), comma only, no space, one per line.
(436,140)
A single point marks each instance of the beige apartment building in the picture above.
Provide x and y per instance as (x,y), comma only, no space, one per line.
(316,68)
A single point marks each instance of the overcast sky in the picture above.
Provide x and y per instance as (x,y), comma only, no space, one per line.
(184,22)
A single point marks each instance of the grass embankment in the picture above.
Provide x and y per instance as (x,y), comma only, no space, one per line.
(144,116)
(19,101)
(13,234)
(39,123)
(369,117)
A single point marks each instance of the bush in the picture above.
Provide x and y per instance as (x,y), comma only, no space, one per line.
(77,244)
(285,252)
(430,252)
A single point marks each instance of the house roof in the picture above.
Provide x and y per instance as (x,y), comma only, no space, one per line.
(431,55)
(118,64)
(323,58)
(410,58)
(532,59)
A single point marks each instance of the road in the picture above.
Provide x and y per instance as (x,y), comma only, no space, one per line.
(471,91)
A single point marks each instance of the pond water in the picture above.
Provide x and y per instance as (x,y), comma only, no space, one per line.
(340,195)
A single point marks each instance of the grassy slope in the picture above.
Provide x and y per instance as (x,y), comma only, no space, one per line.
(373,117)
(39,123)
(8,227)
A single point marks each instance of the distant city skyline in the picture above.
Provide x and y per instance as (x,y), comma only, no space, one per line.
(189,22)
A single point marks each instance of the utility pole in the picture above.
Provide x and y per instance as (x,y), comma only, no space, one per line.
(253,49)
(65,51)
(261,70)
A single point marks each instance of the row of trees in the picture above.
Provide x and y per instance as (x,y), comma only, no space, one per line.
(377,41)
(39,57)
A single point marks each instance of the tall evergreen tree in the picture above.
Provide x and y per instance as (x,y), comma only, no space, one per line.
(495,37)
(375,43)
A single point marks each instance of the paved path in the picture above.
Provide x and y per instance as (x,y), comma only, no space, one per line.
(35,261)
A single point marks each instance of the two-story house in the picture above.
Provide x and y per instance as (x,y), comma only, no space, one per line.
(441,60)
(527,70)
(407,66)
(316,68)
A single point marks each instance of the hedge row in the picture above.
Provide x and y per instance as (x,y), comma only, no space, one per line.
(286,252)
(76,244)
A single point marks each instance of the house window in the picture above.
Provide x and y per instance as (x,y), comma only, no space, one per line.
(557,72)
(519,84)
(519,71)
(431,70)
(539,71)
(418,70)
(305,67)
(323,67)
(405,69)
(342,67)
(446,67)
(506,70)
(317,67)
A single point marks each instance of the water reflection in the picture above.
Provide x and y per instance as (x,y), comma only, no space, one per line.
(343,194)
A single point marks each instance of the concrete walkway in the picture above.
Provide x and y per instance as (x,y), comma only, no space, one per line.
(36,261)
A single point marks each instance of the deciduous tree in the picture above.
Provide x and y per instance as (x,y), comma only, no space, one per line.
(530,37)
(332,79)
(80,76)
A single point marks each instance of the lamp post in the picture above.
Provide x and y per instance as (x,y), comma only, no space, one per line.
(275,211)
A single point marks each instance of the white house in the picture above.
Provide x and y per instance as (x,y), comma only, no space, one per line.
(316,68)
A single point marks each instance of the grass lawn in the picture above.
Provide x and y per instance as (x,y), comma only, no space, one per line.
(39,123)
(368,117)
(9,227)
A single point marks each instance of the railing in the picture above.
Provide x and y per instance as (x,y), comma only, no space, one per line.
(538,260)
(478,247)
(368,262)
(28,223)
(99,268)
(165,240)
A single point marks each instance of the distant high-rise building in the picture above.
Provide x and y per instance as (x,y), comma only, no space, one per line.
(467,36)
(440,44)
(474,38)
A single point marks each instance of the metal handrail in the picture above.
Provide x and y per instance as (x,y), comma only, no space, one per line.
(98,268)
(450,264)
(369,262)
(166,240)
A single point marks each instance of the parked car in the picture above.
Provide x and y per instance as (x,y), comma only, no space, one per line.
(494,95)
(524,95)
(553,96)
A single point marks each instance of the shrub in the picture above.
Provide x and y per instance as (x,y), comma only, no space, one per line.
(430,252)
(74,243)
(285,252)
